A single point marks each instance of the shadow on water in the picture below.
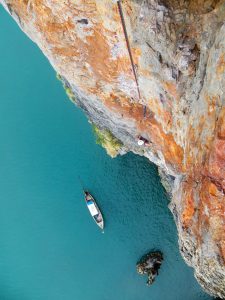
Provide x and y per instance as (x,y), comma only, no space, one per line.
(50,247)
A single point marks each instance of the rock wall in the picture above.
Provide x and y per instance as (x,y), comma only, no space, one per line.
(176,103)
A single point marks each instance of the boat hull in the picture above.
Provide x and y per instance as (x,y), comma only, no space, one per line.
(94,210)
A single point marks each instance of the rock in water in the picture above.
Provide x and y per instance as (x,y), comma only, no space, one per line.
(150,264)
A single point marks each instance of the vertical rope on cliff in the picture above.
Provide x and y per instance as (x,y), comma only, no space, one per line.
(128,45)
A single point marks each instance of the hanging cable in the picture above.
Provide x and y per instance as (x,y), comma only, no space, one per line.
(128,45)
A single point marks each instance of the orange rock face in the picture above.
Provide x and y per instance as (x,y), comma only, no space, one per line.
(85,42)
(177,103)
(204,193)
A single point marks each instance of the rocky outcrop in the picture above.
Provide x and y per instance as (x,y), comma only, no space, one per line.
(172,95)
(149,265)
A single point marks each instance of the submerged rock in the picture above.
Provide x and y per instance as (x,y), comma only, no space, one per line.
(150,264)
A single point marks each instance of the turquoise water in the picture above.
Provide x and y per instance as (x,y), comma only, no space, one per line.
(50,249)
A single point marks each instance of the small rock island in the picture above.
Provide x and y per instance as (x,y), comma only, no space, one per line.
(150,264)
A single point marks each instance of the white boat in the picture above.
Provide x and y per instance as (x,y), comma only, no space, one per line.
(94,209)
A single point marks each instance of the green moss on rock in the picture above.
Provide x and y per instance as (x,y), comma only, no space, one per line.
(67,88)
(107,140)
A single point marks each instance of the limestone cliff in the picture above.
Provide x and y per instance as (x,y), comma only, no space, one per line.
(172,95)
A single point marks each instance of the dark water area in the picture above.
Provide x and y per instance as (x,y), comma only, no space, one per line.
(50,248)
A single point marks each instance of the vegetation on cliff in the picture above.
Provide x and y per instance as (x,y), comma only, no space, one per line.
(67,88)
(104,137)
(107,140)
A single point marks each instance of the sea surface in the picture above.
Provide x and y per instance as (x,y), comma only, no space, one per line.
(50,248)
